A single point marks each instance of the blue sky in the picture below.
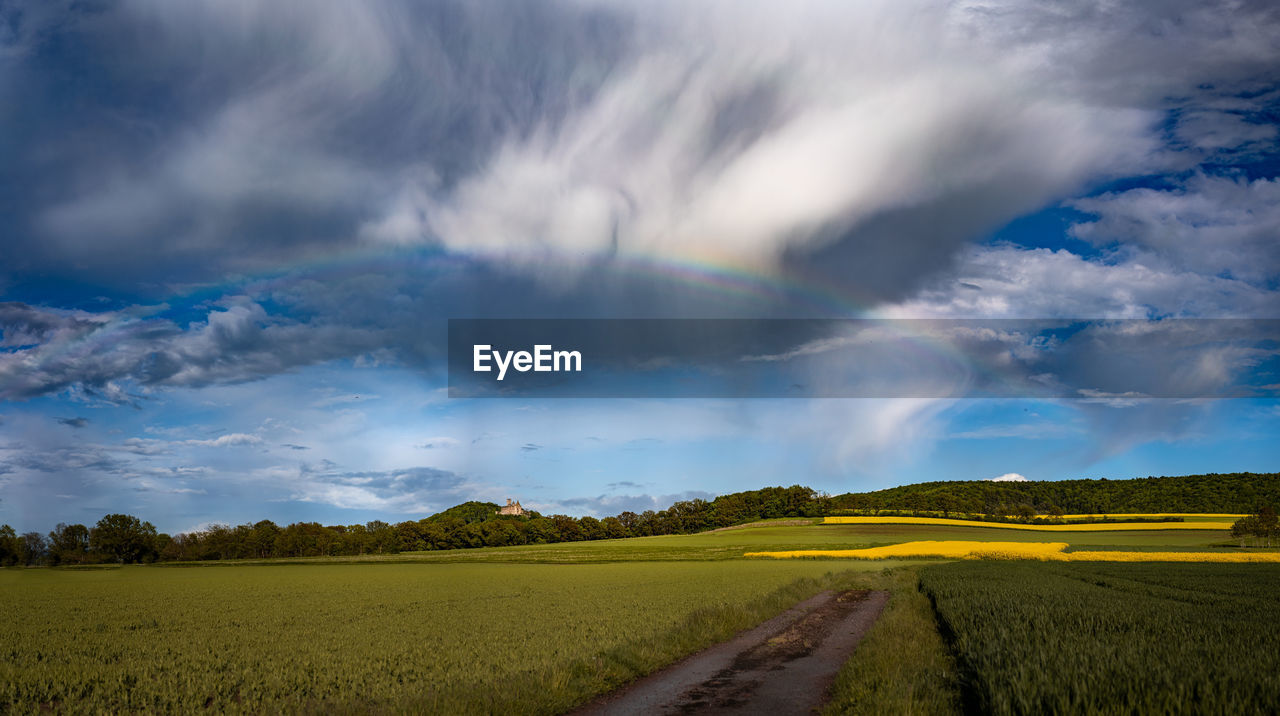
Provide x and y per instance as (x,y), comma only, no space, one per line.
(231,235)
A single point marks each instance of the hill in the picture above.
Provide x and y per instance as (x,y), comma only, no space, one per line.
(1238,492)
(468,512)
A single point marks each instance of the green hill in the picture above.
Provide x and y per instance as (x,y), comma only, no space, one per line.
(1239,492)
(468,512)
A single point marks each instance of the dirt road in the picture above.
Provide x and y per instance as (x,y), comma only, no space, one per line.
(784,666)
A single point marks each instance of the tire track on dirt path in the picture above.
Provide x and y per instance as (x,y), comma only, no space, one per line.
(783,666)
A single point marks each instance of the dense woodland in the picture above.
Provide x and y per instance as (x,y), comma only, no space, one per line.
(1237,493)
(121,538)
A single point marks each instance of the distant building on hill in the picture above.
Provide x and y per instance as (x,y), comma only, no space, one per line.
(512,508)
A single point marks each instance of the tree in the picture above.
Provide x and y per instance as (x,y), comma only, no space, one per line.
(69,544)
(629,520)
(33,548)
(382,538)
(1267,518)
(591,528)
(613,528)
(9,552)
(164,546)
(1263,527)
(262,539)
(567,528)
(542,530)
(124,539)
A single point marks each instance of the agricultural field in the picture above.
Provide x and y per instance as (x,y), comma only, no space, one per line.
(1111,638)
(541,628)
(447,638)
(730,544)
(1197,522)
(1042,551)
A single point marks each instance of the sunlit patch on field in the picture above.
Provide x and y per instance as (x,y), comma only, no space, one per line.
(1084,527)
(1044,551)
(1214,516)
(954,549)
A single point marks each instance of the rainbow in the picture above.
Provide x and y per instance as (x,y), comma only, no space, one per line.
(716,279)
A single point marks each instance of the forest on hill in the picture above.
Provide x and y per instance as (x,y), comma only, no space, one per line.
(125,538)
(1237,492)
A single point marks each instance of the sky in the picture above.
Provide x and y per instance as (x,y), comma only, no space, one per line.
(232,233)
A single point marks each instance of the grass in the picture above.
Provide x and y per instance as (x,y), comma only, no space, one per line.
(454,638)
(537,628)
(902,666)
(731,544)
(1109,638)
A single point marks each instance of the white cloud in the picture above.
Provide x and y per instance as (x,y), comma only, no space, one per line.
(1212,225)
(1009,477)
(1008,282)
(230,440)
(708,145)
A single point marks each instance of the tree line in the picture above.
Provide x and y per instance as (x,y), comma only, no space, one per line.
(119,538)
(126,539)
(1236,493)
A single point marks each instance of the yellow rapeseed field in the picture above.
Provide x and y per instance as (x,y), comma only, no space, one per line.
(1043,551)
(948,548)
(1184,515)
(1095,527)
(1168,557)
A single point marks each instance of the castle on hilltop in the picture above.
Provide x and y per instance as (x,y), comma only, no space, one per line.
(512,508)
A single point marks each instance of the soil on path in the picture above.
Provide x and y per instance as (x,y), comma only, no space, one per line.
(784,666)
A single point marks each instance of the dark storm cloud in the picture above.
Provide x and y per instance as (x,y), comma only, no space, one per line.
(1107,361)
(85,459)
(241,342)
(151,143)
(215,136)
(22,325)
(384,312)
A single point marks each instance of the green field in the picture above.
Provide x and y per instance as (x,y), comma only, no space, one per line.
(540,628)
(730,544)
(1112,638)
(452,638)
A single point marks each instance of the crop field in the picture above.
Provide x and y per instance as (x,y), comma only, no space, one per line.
(441,638)
(1184,516)
(1196,524)
(1110,638)
(731,544)
(540,628)
(1043,551)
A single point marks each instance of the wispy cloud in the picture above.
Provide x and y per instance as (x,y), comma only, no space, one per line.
(437,443)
